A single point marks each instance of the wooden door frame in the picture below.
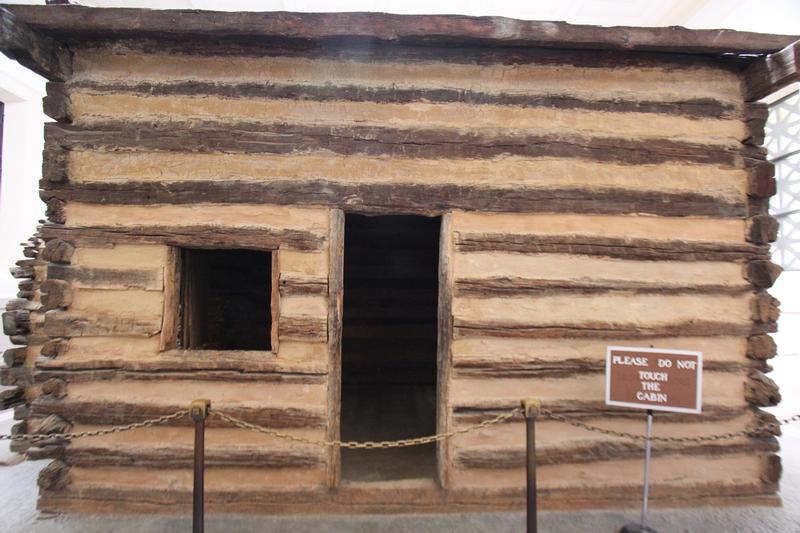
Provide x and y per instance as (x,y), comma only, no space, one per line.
(335,326)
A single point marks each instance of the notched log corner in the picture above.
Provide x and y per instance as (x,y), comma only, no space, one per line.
(762,229)
(17,322)
(54,476)
(765,308)
(15,356)
(761,347)
(755,118)
(57,251)
(56,294)
(55,348)
(761,391)
(773,470)
(762,273)
(54,388)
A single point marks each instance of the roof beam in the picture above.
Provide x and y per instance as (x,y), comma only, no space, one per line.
(772,73)
(78,23)
(36,52)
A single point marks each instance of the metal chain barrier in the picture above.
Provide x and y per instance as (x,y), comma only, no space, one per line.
(368,445)
(633,436)
(97,432)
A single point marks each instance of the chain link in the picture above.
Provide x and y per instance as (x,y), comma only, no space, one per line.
(368,445)
(97,432)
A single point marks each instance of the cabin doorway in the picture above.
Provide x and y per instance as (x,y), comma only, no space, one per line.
(389,338)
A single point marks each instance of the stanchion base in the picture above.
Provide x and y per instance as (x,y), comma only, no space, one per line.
(636,528)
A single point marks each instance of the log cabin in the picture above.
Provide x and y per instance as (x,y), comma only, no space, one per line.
(371,226)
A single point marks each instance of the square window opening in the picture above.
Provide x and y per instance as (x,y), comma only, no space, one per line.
(225,299)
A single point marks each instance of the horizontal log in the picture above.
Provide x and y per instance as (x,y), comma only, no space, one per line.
(604,330)
(57,100)
(79,21)
(32,49)
(150,279)
(206,375)
(394,197)
(590,411)
(498,367)
(514,286)
(179,457)
(296,285)
(57,251)
(56,294)
(508,458)
(103,412)
(369,140)
(621,248)
(303,328)
(771,73)
(64,324)
(190,236)
(20,272)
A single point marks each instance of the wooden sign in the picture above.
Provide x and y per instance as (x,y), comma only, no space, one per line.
(648,378)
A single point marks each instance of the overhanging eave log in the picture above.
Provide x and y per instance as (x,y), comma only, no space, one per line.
(32,49)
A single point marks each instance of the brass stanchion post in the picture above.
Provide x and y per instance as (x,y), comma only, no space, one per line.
(531,409)
(199,411)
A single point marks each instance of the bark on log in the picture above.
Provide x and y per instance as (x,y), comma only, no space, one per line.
(755,115)
(601,330)
(762,229)
(56,294)
(55,348)
(303,328)
(765,308)
(762,273)
(761,391)
(101,412)
(191,236)
(699,108)
(292,285)
(17,322)
(424,199)
(54,476)
(514,286)
(620,248)
(150,279)
(57,103)
(381,27)
(15,356)
(58,251)
(54,388)
(772,73)
(761,347)
(35,51)
(370,140)
(64,324)
(511,458)
(181,457)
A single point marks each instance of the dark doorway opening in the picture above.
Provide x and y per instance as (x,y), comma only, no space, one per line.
(391,266)
(225,299)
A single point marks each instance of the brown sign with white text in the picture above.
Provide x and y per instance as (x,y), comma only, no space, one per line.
(648,378)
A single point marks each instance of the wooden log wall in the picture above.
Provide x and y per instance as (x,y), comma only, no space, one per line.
(590,198)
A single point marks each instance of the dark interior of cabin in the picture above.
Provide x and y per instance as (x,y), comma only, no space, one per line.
(389,344)
(225,299)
